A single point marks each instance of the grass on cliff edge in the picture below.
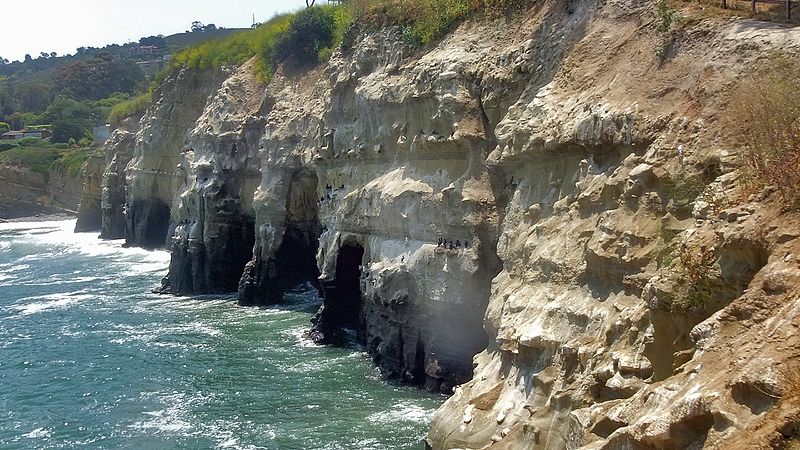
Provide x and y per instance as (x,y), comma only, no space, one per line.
(228,51)
(44,158)
(312,34)
(425,22)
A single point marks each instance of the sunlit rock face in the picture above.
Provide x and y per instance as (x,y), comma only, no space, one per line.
(497,217)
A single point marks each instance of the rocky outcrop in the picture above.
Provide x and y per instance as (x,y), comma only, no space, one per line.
(152,178)
(539,210)
(118,153)
(26,193)
(89,213)
(213,237)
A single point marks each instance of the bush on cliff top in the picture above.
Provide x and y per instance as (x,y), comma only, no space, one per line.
(128,108)
(310,31)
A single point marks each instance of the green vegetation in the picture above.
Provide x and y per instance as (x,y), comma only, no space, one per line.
(766,117)
(426,21)
(235,49)
(666,16)
(37,159)
(71,161)
(98,78)
(310,31)
(696,289)
(133,107)
(684,189)
(41,157)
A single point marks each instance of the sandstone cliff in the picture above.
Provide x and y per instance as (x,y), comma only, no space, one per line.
(25,192)
(571,165)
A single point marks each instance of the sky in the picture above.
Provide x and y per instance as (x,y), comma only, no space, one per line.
(61,26)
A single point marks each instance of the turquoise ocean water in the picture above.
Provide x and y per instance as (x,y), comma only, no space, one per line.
(89,358)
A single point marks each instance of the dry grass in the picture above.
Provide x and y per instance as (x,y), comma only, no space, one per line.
(789,377)
(766,116)
(764,12)
(426,21)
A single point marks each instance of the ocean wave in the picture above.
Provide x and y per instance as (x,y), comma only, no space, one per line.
(38,433)
(52,301)
(300,336)
(58,239)
(402,412)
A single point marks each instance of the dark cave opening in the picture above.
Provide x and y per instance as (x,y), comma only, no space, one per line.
(348,299)
(148,224)
(342,309)
(268,277)
(297,255)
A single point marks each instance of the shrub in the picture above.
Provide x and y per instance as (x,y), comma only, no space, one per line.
(8,146)
(696,291)
(37,159)
(133,107)
(766,115)
(311,30)
(684,189)
(29,142)
(666,16)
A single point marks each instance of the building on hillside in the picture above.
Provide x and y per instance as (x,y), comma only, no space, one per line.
(12,135)
(26,133)
(34,133)
(100,134)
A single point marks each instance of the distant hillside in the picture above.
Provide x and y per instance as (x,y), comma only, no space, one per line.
(177,42)
(86,85)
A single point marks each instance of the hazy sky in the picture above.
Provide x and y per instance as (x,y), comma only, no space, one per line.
(61,26)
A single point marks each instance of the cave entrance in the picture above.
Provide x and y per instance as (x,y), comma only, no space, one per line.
(347,300)
(340,321)
(297,254)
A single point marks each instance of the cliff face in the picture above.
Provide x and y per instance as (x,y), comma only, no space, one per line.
(24,192)
(569,166)
(89,214)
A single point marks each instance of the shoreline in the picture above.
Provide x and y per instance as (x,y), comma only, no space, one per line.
(54,217)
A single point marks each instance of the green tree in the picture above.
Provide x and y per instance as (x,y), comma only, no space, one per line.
(17,121)
(69,118)
(6,103)
(4,127)
(99,77)
(33,97)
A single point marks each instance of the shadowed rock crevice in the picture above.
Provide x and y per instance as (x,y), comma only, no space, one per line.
(148,223)
(266,278)
(342,311)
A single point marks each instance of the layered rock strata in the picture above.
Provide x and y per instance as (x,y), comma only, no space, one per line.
(89,214)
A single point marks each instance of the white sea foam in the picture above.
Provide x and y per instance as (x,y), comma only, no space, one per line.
(38,433)
(60,240)
(402,412)
(48,302)
(300,336)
